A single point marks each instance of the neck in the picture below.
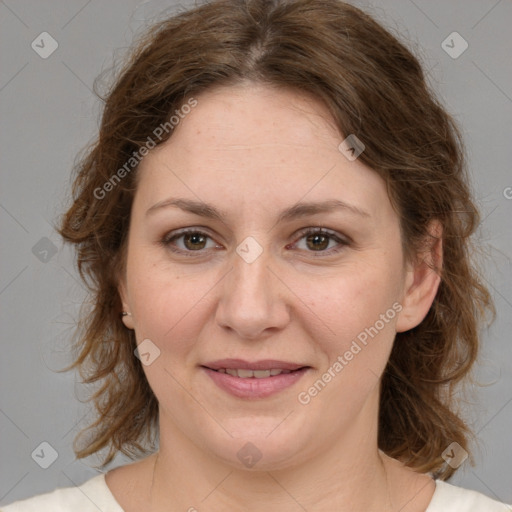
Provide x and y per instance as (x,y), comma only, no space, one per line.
(363,486)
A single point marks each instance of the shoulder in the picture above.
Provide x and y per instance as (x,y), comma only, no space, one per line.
(92,495)
(449,497)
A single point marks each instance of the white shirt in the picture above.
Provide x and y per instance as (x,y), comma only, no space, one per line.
(95,495)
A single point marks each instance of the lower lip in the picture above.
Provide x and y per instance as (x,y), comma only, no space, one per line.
(252,387)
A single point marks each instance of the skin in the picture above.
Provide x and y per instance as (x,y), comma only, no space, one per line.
(252,151)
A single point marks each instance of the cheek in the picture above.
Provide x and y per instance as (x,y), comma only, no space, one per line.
(351,302)
(170,311)
(167,306)
(360,311)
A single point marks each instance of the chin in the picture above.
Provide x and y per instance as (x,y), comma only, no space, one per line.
(260,445)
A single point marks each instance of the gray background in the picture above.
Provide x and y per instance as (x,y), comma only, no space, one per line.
(49,113)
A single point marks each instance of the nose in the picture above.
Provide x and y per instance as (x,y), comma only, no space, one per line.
(254,301)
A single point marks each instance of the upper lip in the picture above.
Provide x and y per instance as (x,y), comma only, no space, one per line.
(263,364)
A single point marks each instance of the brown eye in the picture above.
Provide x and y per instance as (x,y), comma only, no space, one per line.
(194,241)
(317,242)
(321,241)
(190,242)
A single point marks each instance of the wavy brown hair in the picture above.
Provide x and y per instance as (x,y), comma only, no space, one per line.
(374,87)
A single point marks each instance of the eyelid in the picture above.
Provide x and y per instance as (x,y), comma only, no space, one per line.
(323,231)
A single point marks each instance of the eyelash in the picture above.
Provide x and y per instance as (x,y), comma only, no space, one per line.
(170,237)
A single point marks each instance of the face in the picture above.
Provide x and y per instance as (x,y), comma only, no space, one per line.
(264,278)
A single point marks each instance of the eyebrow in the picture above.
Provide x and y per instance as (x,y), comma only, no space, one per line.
(299,210)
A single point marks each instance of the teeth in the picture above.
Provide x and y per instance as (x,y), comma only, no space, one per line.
(246,374)
(261,374)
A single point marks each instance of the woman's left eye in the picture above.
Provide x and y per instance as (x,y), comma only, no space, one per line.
(317,240)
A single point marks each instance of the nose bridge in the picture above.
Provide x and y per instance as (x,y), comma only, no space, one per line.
(249,283)
(251,301)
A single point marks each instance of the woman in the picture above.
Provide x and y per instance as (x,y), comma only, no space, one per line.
(275,222)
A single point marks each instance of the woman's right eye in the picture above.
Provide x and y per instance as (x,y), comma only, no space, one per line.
(193,240)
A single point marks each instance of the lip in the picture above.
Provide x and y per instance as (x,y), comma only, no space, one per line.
(262,364)
(253,388)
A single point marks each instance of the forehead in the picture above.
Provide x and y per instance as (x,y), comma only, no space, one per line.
(260,145)
(254,114)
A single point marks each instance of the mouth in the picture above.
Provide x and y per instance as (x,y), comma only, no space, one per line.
(252,380)
(248,374)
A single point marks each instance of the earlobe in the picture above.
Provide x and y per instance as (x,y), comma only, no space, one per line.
(125,314)
(127,319)
(422,281)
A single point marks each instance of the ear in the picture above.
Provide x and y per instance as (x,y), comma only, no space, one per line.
(422,280)
(127,319)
